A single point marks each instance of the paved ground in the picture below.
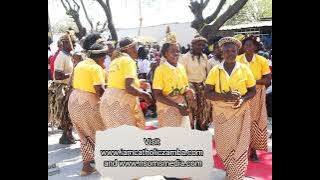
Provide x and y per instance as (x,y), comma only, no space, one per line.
(68,158)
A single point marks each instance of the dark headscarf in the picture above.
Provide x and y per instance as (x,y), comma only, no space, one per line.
(253,39)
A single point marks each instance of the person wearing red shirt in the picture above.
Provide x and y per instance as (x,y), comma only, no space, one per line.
(53,58)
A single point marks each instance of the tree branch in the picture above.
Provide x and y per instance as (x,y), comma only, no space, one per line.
(102,30)
(86,14)
(97,25)
(231,11)
(76,6)
(104,24)
(204,5)
(212,17)
(197,9)
(74,14)
(64,5)
(69,4)
(107,10)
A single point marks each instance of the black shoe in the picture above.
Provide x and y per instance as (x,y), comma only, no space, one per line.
(254,157)
(92,162)
(65,140)
(170,178)
(154,115)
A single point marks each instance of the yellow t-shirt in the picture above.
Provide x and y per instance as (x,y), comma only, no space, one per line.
(120,69)
(259,65)
(171,80)
(87,74)
(240,79)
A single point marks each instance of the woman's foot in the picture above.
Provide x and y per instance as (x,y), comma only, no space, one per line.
(67,139)
(204,126)
(86,173)
(87,169)
(172,178)
(254,156)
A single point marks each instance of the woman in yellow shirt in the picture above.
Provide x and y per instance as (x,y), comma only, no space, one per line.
(229,86)
(170,84)
(88,84)
(120,103)
(262,74)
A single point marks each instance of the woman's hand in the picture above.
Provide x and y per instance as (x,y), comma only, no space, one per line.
(231,96)
(190,94)
(183,109)
(144,84)
(238,103)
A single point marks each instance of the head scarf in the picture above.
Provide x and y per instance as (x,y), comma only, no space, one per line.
(227,40)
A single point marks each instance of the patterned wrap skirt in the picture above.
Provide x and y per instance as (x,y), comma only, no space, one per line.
(119,108)
(169,116)
(201,109)
(232,137)
(84,112)
(58,96)
(259,134)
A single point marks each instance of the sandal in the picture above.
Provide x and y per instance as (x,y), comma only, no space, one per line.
(86,173)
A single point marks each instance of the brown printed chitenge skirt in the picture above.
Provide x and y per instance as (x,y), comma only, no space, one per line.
(232,137)
(84,112)
(200,108)
(259,138)
(169,116)
(58,96)
(121,108)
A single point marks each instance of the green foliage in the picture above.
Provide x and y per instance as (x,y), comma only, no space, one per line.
(252,12)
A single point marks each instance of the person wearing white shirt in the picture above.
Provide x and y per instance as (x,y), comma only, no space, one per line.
(216,57)
(107,60)
(143,63)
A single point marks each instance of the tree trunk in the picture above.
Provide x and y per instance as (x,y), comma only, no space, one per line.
(211,30)
(74,13)
(197,9)
(82,31)
(202,24)
(212,17)
(107,10)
